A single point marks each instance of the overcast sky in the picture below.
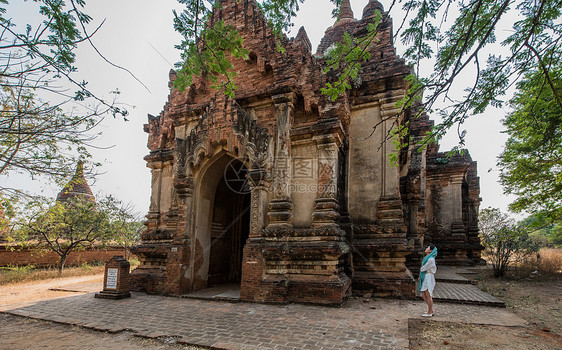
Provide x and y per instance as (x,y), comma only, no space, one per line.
(139,35)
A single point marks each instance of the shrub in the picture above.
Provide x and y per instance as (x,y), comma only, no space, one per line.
(504,241)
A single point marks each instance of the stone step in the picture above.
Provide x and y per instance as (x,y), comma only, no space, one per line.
(454,280)
(460,293)
(226,292)
(390,213)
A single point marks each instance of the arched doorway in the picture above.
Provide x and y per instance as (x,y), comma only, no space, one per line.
(222,221)
(230,225)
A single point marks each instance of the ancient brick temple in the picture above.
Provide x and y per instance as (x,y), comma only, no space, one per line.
(293,195)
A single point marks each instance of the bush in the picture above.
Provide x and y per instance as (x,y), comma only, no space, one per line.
(504,241)
(509,244)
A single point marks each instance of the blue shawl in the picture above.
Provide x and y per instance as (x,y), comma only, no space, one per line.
(433,254)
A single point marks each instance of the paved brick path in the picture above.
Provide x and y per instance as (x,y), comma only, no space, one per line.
(380,324)
(359,324)
(18,333)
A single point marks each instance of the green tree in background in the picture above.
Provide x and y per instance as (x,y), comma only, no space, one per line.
(65,227)
(127,226)
(531,163)
(48,115)
(7,214)
(550,234)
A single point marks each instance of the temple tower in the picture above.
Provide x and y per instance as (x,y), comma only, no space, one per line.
(290,194)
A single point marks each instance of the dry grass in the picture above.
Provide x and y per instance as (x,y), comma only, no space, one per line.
(547,264)
(17,274)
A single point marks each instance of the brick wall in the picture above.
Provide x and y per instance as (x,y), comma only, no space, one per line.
(43,259)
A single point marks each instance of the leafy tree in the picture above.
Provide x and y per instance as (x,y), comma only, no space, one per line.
(543,230)
(45,126)
(504,241)
(7,213)
(457,48)
(126,225)
(205,50)
(531,163)
(555,235)
(72,225)
(65,227)
(128,234)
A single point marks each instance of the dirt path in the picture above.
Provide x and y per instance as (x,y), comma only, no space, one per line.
(28,292)
(427,334)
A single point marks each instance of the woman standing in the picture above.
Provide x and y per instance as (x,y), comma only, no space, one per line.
(427,278)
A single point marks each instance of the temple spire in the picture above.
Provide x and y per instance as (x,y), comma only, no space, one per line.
(346,13)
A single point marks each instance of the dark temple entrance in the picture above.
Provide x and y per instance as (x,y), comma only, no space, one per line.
(230,225)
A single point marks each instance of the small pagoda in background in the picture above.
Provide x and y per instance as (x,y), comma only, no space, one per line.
(77,187)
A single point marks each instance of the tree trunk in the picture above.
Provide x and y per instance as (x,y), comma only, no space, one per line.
(62,260)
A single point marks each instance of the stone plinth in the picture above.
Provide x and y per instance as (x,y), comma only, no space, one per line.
(116,279)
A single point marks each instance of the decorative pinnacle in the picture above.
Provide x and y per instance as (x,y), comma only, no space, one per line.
(346,13)
(79,169)
(369,10)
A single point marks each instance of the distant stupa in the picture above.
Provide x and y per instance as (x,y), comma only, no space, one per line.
(77,187)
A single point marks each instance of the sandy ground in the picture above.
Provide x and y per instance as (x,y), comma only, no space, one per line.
(452,335)
(27,292)
(539,302)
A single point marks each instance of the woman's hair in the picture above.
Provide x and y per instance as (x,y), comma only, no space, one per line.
(431,246)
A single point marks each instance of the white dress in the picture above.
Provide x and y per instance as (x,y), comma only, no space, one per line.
(429,280)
